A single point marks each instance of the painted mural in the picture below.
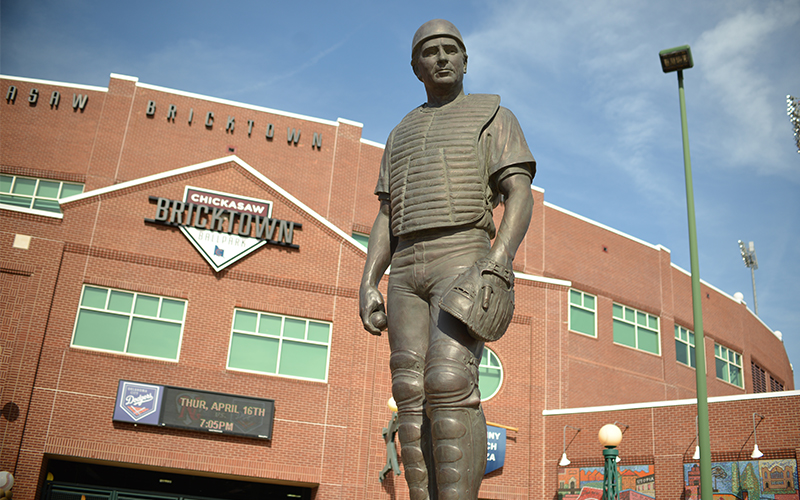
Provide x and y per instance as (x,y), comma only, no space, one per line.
(637,482)
(746,480)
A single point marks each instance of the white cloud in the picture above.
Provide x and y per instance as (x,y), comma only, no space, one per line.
(742,88)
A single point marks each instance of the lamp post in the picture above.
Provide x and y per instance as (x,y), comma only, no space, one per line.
(678,59)
(610,436)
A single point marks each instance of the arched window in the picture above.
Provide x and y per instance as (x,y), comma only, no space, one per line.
(491,374)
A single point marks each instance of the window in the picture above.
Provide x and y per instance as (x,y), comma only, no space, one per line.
(39,194)
(729,365)
(130,323)
(582,309)
(774,385)
(684,346)
(361,238)
(490,374)
(280,345)
(759,378)
(636,329)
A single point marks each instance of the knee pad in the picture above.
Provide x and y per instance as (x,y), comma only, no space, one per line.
(451,377)
(407,381)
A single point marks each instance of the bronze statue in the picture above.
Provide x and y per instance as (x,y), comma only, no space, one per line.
(445,166)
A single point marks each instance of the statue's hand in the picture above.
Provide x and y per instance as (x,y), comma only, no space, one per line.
(372,310)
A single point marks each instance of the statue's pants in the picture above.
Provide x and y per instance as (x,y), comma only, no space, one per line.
(434,365)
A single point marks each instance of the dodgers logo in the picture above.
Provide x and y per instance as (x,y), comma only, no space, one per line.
(138,400)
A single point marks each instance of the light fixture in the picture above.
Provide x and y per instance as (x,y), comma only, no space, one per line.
(696,455)
(564,460)
(676,59)
(626,426)
(610,436)
(756,452)
(750,261)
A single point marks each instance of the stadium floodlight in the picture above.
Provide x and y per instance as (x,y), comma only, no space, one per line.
(750,260)
(676,59)
(793,110)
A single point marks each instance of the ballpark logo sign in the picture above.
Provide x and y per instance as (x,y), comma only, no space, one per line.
(138,400)
(224,227)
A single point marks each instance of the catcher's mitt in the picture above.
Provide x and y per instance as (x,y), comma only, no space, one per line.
(484,304)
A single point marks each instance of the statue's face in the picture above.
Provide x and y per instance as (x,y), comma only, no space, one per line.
(441,63)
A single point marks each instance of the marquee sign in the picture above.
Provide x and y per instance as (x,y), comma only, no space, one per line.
(224,227)
(195,410)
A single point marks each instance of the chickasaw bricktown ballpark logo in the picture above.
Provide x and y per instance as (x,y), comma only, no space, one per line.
(138,400)
(224,227)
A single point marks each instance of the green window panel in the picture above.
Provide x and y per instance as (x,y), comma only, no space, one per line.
(582,313)
(129,323)
(728,365)
(38,194)
(636,329)
(279,345)
(361,238)
(490,374)
(684,346)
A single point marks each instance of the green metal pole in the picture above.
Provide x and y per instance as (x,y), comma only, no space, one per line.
(697,310)
(611,486)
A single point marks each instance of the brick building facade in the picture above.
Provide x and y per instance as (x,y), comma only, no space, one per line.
(602,318)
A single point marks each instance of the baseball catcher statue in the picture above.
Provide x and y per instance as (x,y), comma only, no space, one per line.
(451,288)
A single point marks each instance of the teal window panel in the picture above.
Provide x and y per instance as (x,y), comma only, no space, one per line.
(24,186)
(48,189)
(146,306)
(172,309)
(588,301)
(362,239)
(100,330)
(318,332)
(16,201)
(253,352)
(294,328)
(94,297)
(624,333)
(490,374)
(5,183)
(299,359)
(120,301)
(271,325)
(68,190)
(581,320)
(681,352)
(154,338)
(618,311)
(47,205)
(575,297)
(648,341)
(245,321)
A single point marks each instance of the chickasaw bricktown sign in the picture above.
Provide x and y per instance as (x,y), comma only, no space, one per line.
(224,227)
(195,410)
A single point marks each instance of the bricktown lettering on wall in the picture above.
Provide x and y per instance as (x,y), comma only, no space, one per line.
(79,103)
(78,100)
(292,134)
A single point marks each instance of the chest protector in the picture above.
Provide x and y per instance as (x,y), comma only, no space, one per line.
(436,179)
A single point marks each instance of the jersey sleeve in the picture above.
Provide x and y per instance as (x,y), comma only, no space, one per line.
(505,149)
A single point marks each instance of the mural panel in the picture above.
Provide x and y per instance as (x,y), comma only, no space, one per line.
(750,480)
(637,482)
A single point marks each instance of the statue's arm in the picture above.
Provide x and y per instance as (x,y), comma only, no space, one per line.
(516,189)
(379,256)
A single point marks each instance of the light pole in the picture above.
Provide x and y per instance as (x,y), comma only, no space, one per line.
(750,260)
(678,59)
(610,436)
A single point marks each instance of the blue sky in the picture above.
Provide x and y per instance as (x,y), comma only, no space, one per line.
(583,78)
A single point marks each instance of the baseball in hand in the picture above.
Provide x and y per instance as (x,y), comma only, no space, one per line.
(378,319)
